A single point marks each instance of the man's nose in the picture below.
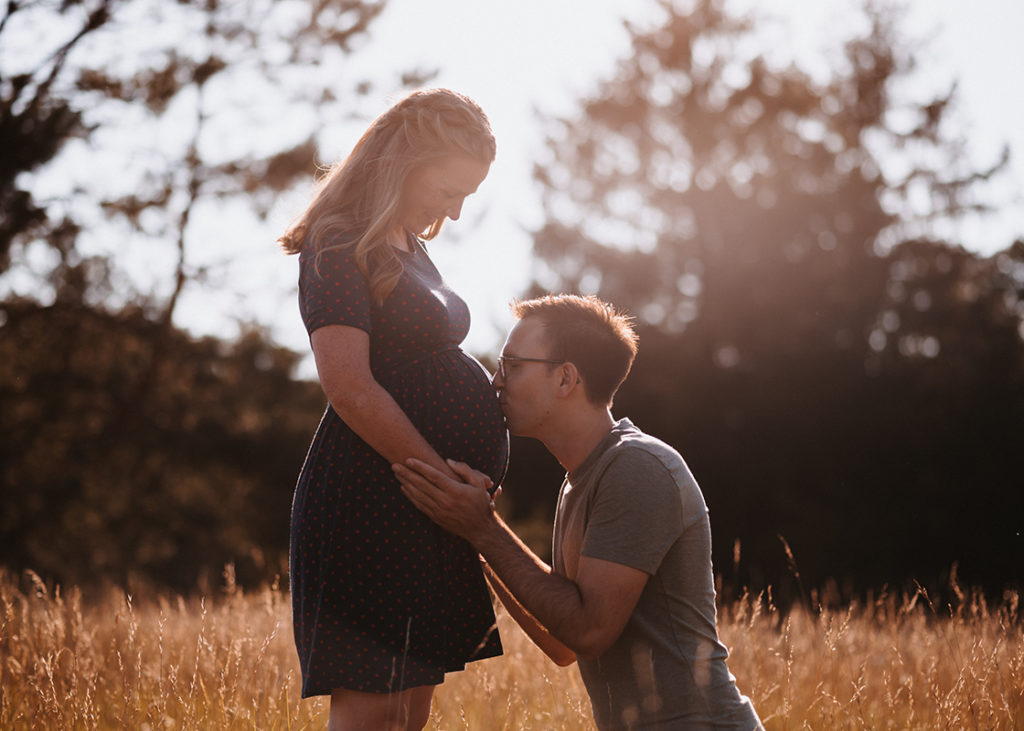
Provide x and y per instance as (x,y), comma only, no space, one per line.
(497,381)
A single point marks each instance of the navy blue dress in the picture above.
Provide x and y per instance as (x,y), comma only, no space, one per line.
(382,598)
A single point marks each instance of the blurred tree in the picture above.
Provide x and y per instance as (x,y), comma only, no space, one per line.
(744,212)
(98,485)
(34,124)
(128,446)
(138,106)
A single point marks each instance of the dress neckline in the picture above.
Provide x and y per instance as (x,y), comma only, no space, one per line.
(415,246)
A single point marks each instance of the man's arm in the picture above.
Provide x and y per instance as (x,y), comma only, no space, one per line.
(558,652)
(587,615)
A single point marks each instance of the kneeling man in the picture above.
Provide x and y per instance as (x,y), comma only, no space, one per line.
(630,594)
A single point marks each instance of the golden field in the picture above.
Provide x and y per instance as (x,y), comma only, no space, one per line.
(227,662)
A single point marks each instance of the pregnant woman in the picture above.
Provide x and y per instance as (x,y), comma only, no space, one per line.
(384,602)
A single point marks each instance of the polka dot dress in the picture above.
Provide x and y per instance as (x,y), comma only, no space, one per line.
(383,599)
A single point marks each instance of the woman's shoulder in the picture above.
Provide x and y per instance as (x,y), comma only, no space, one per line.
(336,250)
(333,261)
(334,241)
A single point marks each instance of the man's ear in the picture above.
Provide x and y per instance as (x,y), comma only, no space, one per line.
(569,377)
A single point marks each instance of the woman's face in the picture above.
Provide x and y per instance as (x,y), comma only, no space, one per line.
(436,190)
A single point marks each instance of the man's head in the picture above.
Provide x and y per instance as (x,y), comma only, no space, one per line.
(561,343)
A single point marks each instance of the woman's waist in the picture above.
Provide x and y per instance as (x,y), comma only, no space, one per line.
(387,361)
(447,387)
(440,359)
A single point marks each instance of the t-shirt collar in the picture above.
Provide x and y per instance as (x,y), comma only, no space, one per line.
(618,428)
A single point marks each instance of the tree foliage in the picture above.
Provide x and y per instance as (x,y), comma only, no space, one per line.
(35,123)
(130,448)
(836,374)
(121,464)
(127,115)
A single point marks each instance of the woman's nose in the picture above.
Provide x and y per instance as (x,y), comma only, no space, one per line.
(454,211)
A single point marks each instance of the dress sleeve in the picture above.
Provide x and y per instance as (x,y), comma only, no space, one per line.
(335,293)
(636,514)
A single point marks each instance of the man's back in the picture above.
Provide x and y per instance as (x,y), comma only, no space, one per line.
(633,501)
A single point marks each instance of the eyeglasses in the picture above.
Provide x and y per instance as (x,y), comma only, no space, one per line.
(503,359)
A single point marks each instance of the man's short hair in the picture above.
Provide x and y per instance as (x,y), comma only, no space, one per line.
(591,334)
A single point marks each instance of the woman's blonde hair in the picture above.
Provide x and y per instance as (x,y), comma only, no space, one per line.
(357,201)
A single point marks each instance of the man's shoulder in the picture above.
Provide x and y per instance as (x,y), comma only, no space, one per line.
(637,457)
(633,444)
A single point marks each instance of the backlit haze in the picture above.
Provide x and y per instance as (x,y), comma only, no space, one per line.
(534,57)
(528,60)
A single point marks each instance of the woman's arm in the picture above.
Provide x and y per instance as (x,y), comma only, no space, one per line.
(342,356)
(554,649)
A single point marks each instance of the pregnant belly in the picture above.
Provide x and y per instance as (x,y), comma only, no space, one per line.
(449,399)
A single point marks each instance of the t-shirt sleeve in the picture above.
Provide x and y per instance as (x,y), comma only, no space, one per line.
(636,514)
(335,294)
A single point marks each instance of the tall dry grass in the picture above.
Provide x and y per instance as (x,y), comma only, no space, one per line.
(227,662)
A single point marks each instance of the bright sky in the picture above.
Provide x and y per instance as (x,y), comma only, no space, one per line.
(518,57)
(528,58)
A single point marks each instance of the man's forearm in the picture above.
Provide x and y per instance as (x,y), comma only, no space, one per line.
(552,599)
(540,635)
(465,508)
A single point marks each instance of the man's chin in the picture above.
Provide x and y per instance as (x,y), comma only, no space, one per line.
(512,429)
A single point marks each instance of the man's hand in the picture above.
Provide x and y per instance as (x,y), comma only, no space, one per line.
(464,507)
(585,614)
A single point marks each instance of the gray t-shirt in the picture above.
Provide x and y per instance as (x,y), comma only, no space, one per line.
(633,501)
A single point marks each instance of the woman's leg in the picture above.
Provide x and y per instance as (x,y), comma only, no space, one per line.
(419,706)
(352,710)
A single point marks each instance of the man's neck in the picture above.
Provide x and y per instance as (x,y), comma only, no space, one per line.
(573,441)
